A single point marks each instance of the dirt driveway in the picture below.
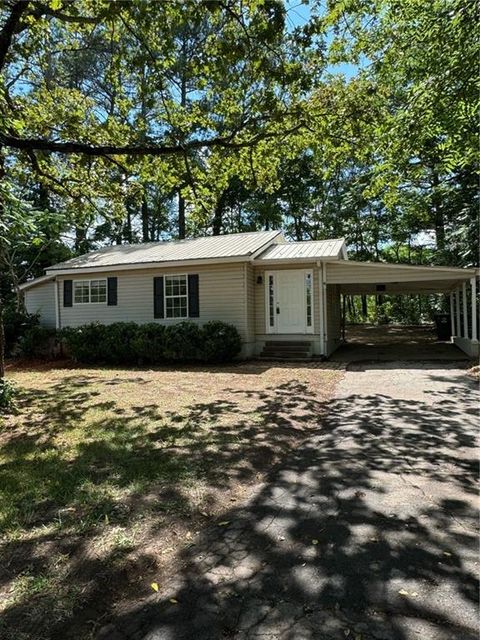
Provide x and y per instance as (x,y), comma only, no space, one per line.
(367,531)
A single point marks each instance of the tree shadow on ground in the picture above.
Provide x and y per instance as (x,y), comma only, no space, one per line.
(130,464)
(366,530)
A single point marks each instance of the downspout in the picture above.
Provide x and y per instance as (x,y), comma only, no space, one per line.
(57,306)
(452,315)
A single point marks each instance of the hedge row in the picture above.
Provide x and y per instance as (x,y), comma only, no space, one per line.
(130,343)
(16,324)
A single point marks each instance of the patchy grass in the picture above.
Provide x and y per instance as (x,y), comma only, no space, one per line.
(106,474)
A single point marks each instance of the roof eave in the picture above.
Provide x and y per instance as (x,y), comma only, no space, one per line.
(35,282)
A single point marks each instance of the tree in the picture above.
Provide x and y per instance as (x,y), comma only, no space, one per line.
(422,58)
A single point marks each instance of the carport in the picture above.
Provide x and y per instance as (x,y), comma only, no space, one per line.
(374,278)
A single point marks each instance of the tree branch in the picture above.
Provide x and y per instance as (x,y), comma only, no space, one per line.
(44,10)
(10,28)
(40,144)
(13,25)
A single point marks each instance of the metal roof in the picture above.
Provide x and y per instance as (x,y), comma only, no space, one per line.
(308,250)
(234,245)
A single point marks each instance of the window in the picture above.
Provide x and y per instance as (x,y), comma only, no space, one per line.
(98,291)
(176,297)
(308,293)
(93,291)
(271,301)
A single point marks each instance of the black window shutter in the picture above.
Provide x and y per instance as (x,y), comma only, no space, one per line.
(158,310)
(193,298)
(111,291)
(67,293)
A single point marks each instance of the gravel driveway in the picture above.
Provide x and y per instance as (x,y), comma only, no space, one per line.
(366,532)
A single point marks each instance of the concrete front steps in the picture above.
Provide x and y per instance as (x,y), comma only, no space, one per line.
(286,350)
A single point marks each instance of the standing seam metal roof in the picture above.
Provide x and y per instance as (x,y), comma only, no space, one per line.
(235,245)
(312,249)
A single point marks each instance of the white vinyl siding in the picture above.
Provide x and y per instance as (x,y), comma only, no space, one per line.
(41,300)
(249,274)
(221,296)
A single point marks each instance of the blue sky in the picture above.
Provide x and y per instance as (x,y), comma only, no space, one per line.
(298,14)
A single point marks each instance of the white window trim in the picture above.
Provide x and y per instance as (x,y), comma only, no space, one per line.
(274,329)
(270,329)
(174,275)
(89,280)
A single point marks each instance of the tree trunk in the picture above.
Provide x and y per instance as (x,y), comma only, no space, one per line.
(128,227)
(2,256)
(364,307)
(438,219)
(2,341)
(218,214)
(80,237)
(145,234)
(351,309)
(181,217)
(298,228)
(183,103)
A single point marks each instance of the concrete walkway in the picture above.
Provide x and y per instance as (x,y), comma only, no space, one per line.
(366,532)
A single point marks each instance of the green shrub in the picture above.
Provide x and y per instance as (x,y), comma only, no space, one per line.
(221,342)
(8,391)
(86,343)
(153,343)
(183,342)
(118,343)
(37,342)
(149,343)
(15,324)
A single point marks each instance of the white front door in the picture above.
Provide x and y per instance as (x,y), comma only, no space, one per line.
(287,302)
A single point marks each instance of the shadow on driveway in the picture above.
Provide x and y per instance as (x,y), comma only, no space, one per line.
(366,531)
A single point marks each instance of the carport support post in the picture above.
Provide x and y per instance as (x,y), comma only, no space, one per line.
(452,316)
(473,283)
(457,299)
(465,316)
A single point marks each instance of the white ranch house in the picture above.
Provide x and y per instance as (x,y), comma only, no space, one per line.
(272,290)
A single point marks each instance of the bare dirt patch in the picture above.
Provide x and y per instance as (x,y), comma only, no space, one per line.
(106,475)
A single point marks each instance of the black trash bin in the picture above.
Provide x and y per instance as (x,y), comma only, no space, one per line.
(442,323)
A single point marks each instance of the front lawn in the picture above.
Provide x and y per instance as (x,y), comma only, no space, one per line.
(106,474)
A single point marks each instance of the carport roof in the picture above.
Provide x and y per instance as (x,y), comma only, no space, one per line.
(374,277)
